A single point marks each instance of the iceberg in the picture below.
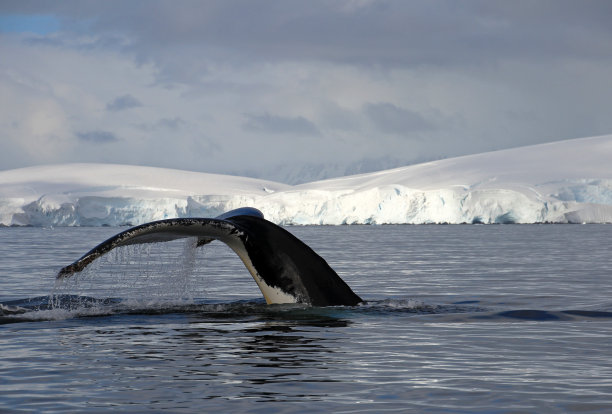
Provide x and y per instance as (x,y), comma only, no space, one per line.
(560,182)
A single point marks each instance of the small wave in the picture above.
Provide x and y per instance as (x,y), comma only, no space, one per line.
(542,315)
(11,310)
(63,307)
(523,315)
(46,308)
(416,307)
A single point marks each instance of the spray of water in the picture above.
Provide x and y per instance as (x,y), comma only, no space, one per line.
(147,276)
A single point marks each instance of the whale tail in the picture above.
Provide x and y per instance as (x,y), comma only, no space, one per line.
(285,268)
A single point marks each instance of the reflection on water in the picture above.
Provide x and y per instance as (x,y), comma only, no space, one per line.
(254,355)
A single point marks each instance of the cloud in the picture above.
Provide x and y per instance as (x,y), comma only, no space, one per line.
(97,137)
(391,119)
(171,123)
(239,76)
(279,125)
(390,33)
(122,103)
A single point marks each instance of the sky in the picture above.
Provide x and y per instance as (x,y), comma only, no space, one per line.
(297,90)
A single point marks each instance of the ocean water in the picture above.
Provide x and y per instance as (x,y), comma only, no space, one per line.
(459,319)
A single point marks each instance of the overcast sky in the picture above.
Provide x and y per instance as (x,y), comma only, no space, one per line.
(269,87)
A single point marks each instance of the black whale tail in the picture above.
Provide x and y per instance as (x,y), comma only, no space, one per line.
(285,268)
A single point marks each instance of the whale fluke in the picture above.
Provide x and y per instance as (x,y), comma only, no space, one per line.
(285,268)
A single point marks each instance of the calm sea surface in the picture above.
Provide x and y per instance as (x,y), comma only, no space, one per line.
(460,319)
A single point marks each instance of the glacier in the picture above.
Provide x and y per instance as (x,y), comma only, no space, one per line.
(560,182)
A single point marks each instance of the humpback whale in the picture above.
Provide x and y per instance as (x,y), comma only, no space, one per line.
(285,268)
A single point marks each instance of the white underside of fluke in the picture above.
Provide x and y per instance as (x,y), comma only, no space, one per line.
(273,295)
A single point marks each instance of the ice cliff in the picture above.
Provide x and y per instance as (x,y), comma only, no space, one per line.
(561,182)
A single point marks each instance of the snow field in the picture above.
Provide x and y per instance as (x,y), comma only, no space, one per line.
(561,182)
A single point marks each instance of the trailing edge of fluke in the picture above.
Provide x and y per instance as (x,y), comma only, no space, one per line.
(285,269)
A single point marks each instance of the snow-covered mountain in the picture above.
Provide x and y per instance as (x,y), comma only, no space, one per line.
(108,194)
(301,173)
(562,182)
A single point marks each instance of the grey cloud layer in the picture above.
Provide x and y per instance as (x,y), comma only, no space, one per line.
(325,82)
(365,32)
(389,118)
(123,102)
(97,137)
(279,125)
